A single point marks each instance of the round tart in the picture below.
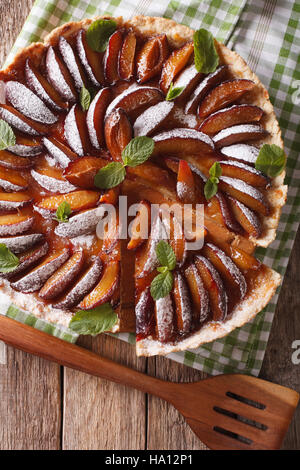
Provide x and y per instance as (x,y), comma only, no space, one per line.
(73,111)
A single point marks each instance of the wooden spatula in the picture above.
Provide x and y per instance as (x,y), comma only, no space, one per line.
(225,412)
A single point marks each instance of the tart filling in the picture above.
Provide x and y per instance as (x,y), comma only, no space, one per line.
(73,111)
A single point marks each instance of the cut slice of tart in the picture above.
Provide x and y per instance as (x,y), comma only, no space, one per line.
(74,109)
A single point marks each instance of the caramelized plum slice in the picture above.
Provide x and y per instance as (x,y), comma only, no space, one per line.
(25,147)
(42,88)
(28,259)
(244,172)
(224,94)
(118,133)
(52,184)
(135,99)
(146,260)
(182,141)
(214,286)
(198,292)
(14,162)
(35,279)
(140,223)
(15,224)
(127,53)
(111,58)
(210,81)
(245,153)
(105,288)
(174,64)
(189,78)
(28,103)
(226,267)
(153,118)
(17,120)
(72,63)
(14,201)
(183,311)
(59,151)
(21,243)
(218,209)
(241,133)
(82,171)
(79,224)
(228,117)
(186,190)
(144,312)
(78,200)
(246,218)
(95,117)
(164,316)
(59,76)
(244,193)
(11,180)
(76,132)
(82,287)
(90,60)
(151,57)
(63,277)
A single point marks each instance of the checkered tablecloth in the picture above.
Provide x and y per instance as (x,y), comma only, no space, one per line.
(267,35)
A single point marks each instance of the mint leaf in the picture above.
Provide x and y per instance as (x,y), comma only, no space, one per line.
(138,151)
(210,189)
(165,255)
(215,170)
(8,261)
(110,175)
(85,98)
(271,160)
(7,136)
(99,33)
(162,269)
(94,321)
(206,56)
(161,285)
(174,92)
(63,211)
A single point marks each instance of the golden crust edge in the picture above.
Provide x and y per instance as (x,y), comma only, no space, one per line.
(267,282)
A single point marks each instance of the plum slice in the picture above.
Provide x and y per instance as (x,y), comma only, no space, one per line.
(78,200)
(243,152)
(76,132)
(79,224)
(153,118)
(14,162)
(14,201)
(189,78)
(228,117)
(151,57)
(118,133)
(59,76)
(210,81)
(246,218)
(15,224)
(245,193)
(17,120)
(11,180)
(95,117)
(59,151)
(183,311)
(91,60)
(240,133)
(174,64)
(111,58)
(28,259)
(72,62)
(198,292)
(164,316)
(144,312)
(52,184)
(224,94)
(127,54)
(20,243)
(81,172)
(182,141)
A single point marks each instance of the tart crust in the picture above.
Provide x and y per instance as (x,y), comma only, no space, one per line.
(267,280)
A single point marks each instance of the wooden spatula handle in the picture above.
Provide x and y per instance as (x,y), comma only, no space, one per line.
(41,344)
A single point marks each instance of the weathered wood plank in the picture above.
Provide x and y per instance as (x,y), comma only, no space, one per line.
(30,403)
(29,387)
(167,429)
(100,414)
(277,365)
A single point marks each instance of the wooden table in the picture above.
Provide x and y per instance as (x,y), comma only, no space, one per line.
(44,406)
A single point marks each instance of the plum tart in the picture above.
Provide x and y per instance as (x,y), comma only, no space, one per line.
(109,107)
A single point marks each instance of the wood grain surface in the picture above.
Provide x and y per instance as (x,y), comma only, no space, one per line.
(43,406)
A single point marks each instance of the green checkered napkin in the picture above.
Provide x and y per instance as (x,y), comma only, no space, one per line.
(266,34)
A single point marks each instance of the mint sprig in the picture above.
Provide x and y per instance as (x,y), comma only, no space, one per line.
(205,53)
(8,261)
(135,153)
(98,34)
(271,160)
(85,98)
(7,136)
(94,321)
(211,185)
(162,284)
(174,92)
(63,212)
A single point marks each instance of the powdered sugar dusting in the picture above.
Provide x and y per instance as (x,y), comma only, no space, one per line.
(80,224)
(53,185)
(72,133)
(123,100)
(56,76)
(17,122)
(242,166)
(25,101)
(164,318)
(244,188)
(150,119)
(56,153)
(250,215)
(240,132)
(185,301)
(183,133)
(84,241)
(70,61)
(245,152)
